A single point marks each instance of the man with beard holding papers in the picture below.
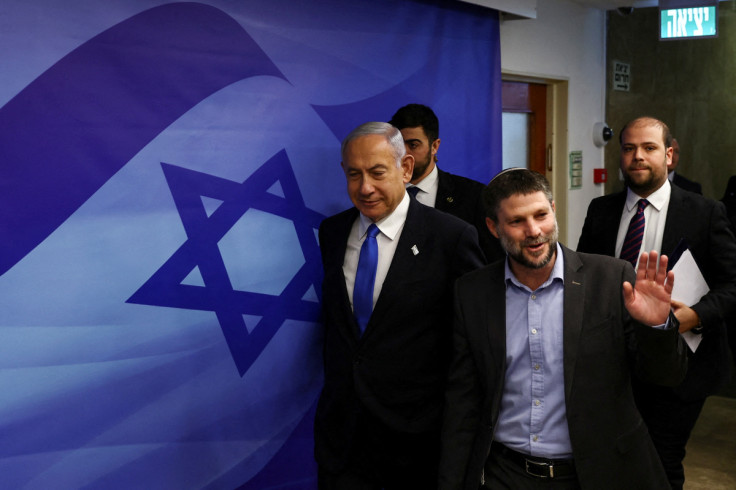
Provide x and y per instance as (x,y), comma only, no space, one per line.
(668,218)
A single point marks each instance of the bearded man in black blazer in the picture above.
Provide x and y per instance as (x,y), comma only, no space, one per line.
(454,194)
(672,216)
(545,344)
(379,413)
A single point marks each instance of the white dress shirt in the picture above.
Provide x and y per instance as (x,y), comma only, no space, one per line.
(390,231)
(427,194)
(655,217)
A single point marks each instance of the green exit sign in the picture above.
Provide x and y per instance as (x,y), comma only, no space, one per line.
(686,23)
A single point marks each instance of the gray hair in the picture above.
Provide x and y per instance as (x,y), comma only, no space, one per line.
(392,135)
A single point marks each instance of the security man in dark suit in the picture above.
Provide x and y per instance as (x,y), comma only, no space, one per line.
(379,414)
(442,190)
(676,178)
(672,218)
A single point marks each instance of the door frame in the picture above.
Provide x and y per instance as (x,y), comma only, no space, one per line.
(557,139)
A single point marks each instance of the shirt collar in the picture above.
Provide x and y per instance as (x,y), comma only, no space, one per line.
(658,198)
(425,185)
(392,224)
(558,272)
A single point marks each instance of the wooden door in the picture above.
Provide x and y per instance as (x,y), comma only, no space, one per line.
(528,101)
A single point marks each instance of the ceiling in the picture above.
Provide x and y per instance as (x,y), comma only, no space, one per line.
(527,9)
(614,4)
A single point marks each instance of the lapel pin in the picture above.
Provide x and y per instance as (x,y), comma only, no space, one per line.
(450,199)
(576,283)
(415,249)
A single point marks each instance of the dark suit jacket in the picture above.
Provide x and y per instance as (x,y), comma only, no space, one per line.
(687,184)
(602,346)
(462,197)
(703,224)
(729,200)
(396,371)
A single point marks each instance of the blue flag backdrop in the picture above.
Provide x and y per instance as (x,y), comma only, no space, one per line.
(163,171)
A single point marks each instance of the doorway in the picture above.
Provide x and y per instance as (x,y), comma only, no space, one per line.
(524,123)
(534,132)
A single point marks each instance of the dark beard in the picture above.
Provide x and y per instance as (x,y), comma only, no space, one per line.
(640,188)
(421,167)
(516,252)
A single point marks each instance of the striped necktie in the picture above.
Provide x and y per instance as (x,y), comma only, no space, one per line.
(634,235)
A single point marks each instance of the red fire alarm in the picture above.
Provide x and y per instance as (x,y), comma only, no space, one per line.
(600,176)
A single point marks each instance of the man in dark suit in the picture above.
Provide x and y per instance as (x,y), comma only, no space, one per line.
(729,200)
(442,190)
(379,413)
(672,216)
(677,179)
(545,344)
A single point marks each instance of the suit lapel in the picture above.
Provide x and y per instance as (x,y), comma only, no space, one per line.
(612,217)
(495,301)
(676,209)
(574,298)
(349,328)
(445,201)
(413,237)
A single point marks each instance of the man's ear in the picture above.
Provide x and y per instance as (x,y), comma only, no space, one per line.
(407,168)
(434,147)
(491,226)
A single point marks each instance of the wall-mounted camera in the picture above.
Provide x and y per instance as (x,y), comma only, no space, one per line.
(602,134)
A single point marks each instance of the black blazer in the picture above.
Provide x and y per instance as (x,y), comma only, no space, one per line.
(462,197)
(703,224)
(687,184)
(397,370)
(602,346)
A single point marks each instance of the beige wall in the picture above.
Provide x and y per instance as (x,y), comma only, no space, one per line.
(690,85)
(565,46)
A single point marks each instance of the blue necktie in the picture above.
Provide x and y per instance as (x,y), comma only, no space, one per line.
(413,190)
(365,277)
(634,235)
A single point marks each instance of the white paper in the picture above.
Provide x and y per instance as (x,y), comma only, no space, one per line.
(689,287)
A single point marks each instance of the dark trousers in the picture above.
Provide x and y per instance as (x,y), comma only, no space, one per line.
(502,472)
(384,459)
(670,421)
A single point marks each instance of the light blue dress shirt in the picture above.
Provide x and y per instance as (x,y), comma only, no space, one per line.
(532,418)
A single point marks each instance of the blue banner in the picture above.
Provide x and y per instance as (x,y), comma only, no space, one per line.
(163,171)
